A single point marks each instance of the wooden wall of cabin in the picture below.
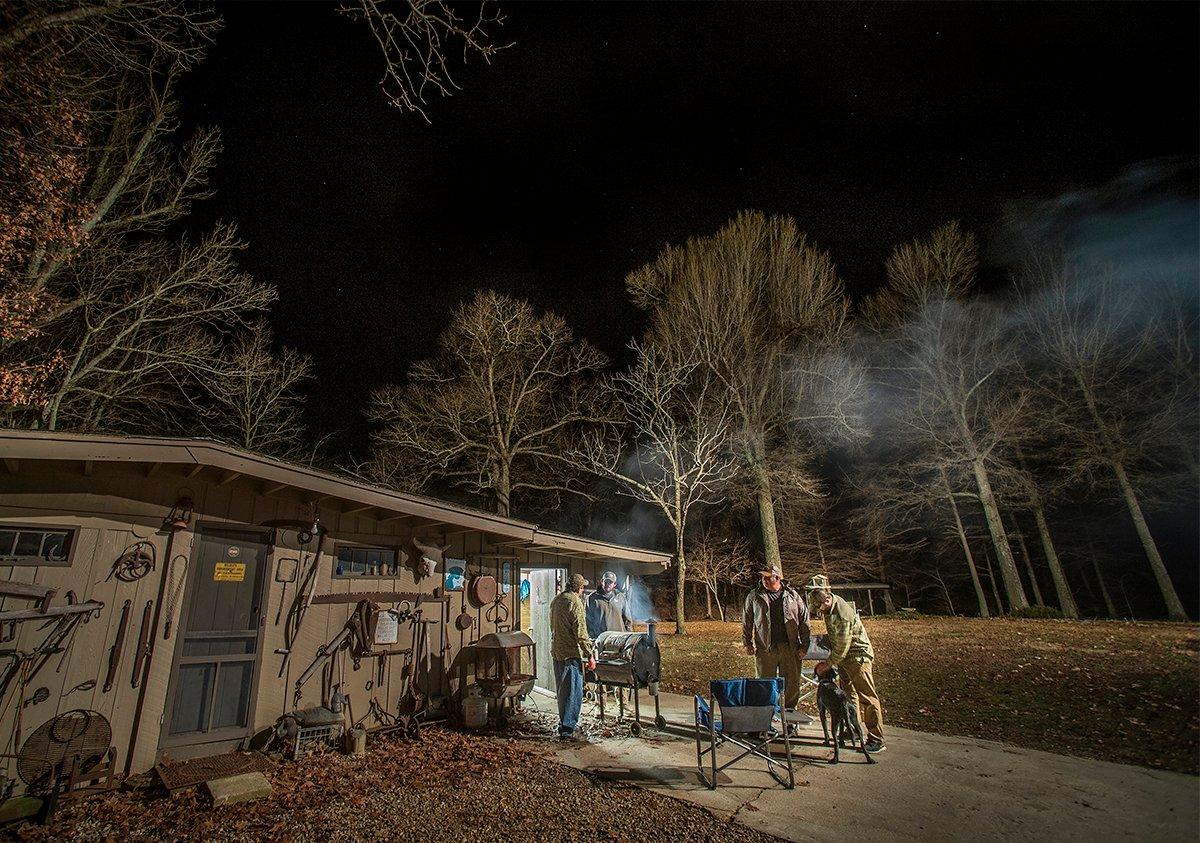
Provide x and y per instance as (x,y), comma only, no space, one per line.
(118,504)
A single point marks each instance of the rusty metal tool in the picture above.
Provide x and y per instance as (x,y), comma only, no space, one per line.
(114,655)
(143,647)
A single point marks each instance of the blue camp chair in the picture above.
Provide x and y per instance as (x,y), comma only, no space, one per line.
(747,710)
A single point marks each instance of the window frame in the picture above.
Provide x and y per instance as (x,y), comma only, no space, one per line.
(394,549)
(72,531)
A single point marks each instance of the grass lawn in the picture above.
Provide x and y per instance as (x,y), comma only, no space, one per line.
(1113,690)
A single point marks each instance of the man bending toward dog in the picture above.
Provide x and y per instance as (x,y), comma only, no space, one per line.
(851,653)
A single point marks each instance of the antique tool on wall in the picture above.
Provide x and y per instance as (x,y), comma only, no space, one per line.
(482,590)
(135,562)
(42,594)
(144,645)
(174,593)
(114,655)
(304,596)
(285,572)
(30,663)
(464,621)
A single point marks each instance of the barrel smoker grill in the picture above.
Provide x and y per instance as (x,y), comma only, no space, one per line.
(628,661)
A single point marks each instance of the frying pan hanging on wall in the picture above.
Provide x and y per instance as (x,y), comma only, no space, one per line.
(481,590)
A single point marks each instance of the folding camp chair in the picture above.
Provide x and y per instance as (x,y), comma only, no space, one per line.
(747,709)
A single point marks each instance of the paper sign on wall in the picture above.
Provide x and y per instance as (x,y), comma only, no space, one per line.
(387,628)
(229,572)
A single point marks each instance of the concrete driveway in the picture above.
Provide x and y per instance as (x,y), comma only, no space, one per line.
(924,786)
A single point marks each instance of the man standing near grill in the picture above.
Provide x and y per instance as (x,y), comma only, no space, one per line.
(850,651)
(607,608)
(570,647)
(775,631)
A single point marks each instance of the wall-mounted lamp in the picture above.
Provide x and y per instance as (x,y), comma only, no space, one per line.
(180,515)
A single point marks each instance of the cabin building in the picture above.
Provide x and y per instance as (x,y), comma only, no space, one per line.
(220,575)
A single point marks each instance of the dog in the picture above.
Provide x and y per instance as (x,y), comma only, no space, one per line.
(834,702)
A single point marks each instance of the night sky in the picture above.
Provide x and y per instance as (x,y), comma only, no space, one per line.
(607,131)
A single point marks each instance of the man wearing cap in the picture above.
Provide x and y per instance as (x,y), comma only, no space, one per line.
(850,651)
(607,608)
(570,647)
(775,631)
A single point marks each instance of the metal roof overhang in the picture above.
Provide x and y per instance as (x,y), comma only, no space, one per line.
(18,445)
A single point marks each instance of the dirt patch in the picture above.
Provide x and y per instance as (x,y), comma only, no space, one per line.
(449,786)
(1113,690)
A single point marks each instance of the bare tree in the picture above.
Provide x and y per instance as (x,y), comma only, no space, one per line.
(256,405)
(765,314)
(1114,397)
(148,317)
(671,450)
(948,367)
(719,560)
(494,411)
(122,321)
(415,37)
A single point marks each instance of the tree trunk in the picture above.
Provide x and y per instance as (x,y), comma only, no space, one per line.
(987,558)
(1066,600)
(1109,606)
(680,569)
(991,513)
(707,601)
(1174,606)
(766,508)
(1171,597)
(1033,582)
(888,605)
(720,606)
(503,489)
(966,546)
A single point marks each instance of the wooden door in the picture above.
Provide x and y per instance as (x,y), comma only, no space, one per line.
(544,585)
(217,658)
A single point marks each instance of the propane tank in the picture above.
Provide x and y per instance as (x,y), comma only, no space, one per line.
(474,709)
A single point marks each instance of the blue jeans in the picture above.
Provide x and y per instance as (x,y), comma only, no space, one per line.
(568,673)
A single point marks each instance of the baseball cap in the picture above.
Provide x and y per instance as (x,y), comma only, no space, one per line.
(576,582)
(609,576)
(771,571)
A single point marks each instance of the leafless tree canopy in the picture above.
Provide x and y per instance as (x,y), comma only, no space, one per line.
(670,448)
(118,326)
(494,410)
(416,38)
(765,315)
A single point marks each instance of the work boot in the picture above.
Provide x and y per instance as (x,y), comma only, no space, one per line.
(574,737)
(874,745)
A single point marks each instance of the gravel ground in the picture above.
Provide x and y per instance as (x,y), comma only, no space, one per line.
(449,786)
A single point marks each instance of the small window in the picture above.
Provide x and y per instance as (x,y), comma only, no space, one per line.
(355,561)
(35,546)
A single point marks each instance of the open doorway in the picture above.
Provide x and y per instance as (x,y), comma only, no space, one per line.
(538,587)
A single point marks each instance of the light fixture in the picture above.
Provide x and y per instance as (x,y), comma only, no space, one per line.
(180,515)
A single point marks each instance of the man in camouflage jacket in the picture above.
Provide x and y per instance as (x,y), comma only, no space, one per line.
(850,651)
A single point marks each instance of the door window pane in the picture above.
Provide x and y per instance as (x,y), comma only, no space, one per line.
(233,694)
(191,699)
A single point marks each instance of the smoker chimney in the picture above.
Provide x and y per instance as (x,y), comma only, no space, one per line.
(651,626)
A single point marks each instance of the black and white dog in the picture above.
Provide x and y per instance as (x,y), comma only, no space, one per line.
(841,710)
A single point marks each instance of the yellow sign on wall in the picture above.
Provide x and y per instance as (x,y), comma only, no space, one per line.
(229,572)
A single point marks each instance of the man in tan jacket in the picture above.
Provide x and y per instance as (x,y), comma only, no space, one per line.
(850,651)
(570,647)
(775,631)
